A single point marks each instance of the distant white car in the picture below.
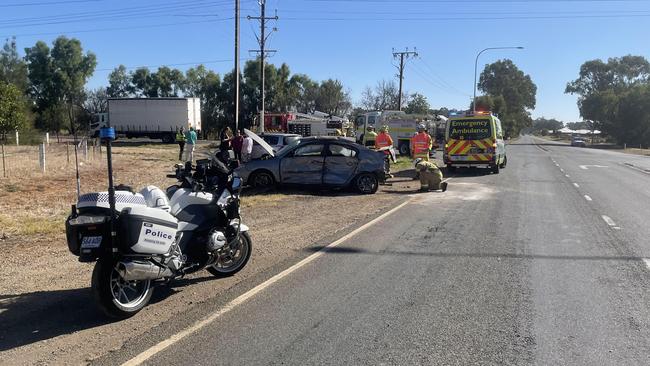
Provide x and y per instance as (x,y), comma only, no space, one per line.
(277,142)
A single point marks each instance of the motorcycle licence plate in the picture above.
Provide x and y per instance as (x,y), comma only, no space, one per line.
(91,242)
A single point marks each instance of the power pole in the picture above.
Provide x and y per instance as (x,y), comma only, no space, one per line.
(236,72)
(402,55)
(262,41)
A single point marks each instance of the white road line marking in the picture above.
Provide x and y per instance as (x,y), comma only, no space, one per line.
(588,198)
(147,354)
(566,175)
(647,262)
(608,220)
(562,170)
(576,185)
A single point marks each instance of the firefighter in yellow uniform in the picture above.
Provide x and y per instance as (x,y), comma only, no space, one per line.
(369,137)
(430,176)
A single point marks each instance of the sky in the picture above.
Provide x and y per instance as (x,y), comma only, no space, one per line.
(352,40)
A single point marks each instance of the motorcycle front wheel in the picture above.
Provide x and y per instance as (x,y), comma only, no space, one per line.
(234,258)
(115,296)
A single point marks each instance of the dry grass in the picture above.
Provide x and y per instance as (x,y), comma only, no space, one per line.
(35,203)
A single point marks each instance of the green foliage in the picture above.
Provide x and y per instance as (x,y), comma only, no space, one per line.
(513,92)
(11,109)
(417,104)
(542,125)
(119,83)
(614,95)
(13,69)
(57,78)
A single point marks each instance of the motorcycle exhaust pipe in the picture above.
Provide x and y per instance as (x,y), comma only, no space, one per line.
(139,271)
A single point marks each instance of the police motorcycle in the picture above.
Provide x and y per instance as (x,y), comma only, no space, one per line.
(140,240)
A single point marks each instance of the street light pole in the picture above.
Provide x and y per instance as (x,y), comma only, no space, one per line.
(476,68)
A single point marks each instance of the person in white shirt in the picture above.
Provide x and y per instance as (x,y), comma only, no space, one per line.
(246,149)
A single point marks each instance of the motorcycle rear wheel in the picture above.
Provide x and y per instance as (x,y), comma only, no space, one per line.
(116,297)
(235,260)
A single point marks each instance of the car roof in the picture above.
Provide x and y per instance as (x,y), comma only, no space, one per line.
(280,134)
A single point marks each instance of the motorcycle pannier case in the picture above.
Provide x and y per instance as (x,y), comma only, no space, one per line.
(146,230)
(87,235)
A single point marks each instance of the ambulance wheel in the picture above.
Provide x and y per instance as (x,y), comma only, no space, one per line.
(495,169)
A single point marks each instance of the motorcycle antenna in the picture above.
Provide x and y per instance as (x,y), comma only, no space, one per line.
(107,134)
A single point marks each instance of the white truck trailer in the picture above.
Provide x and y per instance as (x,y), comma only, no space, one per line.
(155,118)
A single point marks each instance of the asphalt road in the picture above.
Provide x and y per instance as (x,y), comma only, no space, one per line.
(542,264)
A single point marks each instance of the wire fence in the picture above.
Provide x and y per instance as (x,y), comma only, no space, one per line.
(49,159)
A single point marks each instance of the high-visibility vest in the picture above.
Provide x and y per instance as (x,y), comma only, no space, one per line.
(383,140)
(421,144)
(180,137)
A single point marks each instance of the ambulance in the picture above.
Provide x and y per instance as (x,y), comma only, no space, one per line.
(474,140)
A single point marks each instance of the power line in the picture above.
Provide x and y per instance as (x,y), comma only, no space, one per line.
(441,79)
(491,18)
(113,28)
(48,3)
(103,16)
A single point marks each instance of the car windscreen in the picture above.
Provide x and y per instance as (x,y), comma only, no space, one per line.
(470,129)
(271,140)
(290,143)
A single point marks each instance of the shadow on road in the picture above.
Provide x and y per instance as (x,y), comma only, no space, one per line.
(37,316)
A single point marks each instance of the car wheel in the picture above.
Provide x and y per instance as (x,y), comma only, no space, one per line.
(261,179)
(367,183)
(495,169)
(167,139)
(404,149)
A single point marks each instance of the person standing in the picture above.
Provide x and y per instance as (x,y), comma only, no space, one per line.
(225,138)
(237,143)
(190,142)
(180,140)
(369,137)
(421,144)
(247,149)
(384,140)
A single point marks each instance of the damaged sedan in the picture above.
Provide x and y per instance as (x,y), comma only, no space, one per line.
(333,162)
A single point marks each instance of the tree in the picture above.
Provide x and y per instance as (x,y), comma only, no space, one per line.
(119,83)
(332,99)
(604,87)
(417,104)
(11,109)
(503,79)
(543,125)
(384,96)
(57,79)
(71,68)
(205,84)
(144,84)
(13,69)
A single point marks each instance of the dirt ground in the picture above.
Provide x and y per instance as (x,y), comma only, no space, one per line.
(46,309)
